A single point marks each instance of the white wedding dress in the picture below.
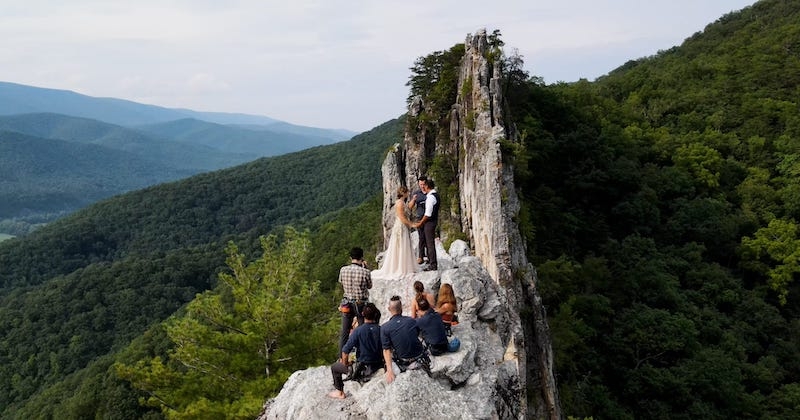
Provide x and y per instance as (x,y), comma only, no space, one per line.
(398,259)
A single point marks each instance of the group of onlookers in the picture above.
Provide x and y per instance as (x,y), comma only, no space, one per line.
(402,342)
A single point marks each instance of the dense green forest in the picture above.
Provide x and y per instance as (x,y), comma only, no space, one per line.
(49,176)
(661,207)
(53,164)
(75,293)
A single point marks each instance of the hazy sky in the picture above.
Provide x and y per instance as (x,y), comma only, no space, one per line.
(321,63)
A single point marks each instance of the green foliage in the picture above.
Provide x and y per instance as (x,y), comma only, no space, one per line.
(86,285)
(251,199)
(435,78)
(659,205)
(54,164)
(239,343)
(779,242)
(44,176)
(336,233)
(495,51)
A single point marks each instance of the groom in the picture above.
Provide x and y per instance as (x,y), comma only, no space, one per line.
(417,202)
(429,221)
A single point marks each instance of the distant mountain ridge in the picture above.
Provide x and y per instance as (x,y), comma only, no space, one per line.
(259,140)
(163,143)
(195,158)
(22,99)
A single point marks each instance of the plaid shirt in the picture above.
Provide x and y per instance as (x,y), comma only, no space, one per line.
(356,282)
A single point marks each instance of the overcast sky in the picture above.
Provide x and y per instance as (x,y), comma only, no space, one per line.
(320,63)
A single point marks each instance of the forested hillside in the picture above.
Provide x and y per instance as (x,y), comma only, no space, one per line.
(659,205)
(43,176)
(79,290)
(163,150)
(661,208)
(70,162)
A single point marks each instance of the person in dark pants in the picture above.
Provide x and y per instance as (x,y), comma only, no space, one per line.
(429,221)
(417,202)
(431,327)
(400,340)
(366,340)
(356,281)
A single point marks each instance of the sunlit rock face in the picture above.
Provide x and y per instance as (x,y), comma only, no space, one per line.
(504,368)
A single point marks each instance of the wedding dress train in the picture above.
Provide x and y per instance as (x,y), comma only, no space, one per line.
(398,259)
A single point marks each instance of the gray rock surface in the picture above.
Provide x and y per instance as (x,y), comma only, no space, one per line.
(505,366)
(479,381)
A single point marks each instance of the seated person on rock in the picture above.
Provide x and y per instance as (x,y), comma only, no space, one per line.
(400,342)
(446,306)
(431,327)
(419,289)
(366,340)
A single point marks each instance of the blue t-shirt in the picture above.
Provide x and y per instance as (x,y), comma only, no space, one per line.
(366,339)
(400,333)
(432,328)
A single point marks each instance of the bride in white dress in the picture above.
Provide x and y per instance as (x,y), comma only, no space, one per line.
(398,259)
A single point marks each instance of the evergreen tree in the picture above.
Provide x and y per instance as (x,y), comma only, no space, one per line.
(235,346)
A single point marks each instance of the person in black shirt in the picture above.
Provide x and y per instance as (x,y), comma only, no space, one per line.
(417,202)
(431,327)
(366,339)
(400,339)
(429,222)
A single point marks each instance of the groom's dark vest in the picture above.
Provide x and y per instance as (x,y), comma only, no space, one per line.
(435,214)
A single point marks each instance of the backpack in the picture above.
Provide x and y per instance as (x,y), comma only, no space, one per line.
(453,345)
(359,372)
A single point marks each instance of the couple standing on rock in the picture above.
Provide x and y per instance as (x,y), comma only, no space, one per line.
(399,256)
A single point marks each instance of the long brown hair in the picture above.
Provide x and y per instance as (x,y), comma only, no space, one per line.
(402,192)
(446,295)
(419,287)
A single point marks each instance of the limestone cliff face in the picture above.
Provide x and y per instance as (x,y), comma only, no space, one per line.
(505,366)
(487,207)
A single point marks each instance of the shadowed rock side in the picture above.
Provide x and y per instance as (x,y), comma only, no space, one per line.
(479,381)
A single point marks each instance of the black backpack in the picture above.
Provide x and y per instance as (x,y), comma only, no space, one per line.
(359,372)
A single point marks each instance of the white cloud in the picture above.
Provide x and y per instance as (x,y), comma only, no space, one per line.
(325,63)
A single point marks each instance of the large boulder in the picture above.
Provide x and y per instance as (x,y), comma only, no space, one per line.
(479,381)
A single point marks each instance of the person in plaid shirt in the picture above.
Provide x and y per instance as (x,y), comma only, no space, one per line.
(356,282)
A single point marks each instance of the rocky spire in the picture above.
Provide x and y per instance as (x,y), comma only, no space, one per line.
(505,366)
(488,205)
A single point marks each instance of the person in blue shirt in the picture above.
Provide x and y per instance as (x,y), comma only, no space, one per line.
(399,339)
(431,327)
(366,340)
